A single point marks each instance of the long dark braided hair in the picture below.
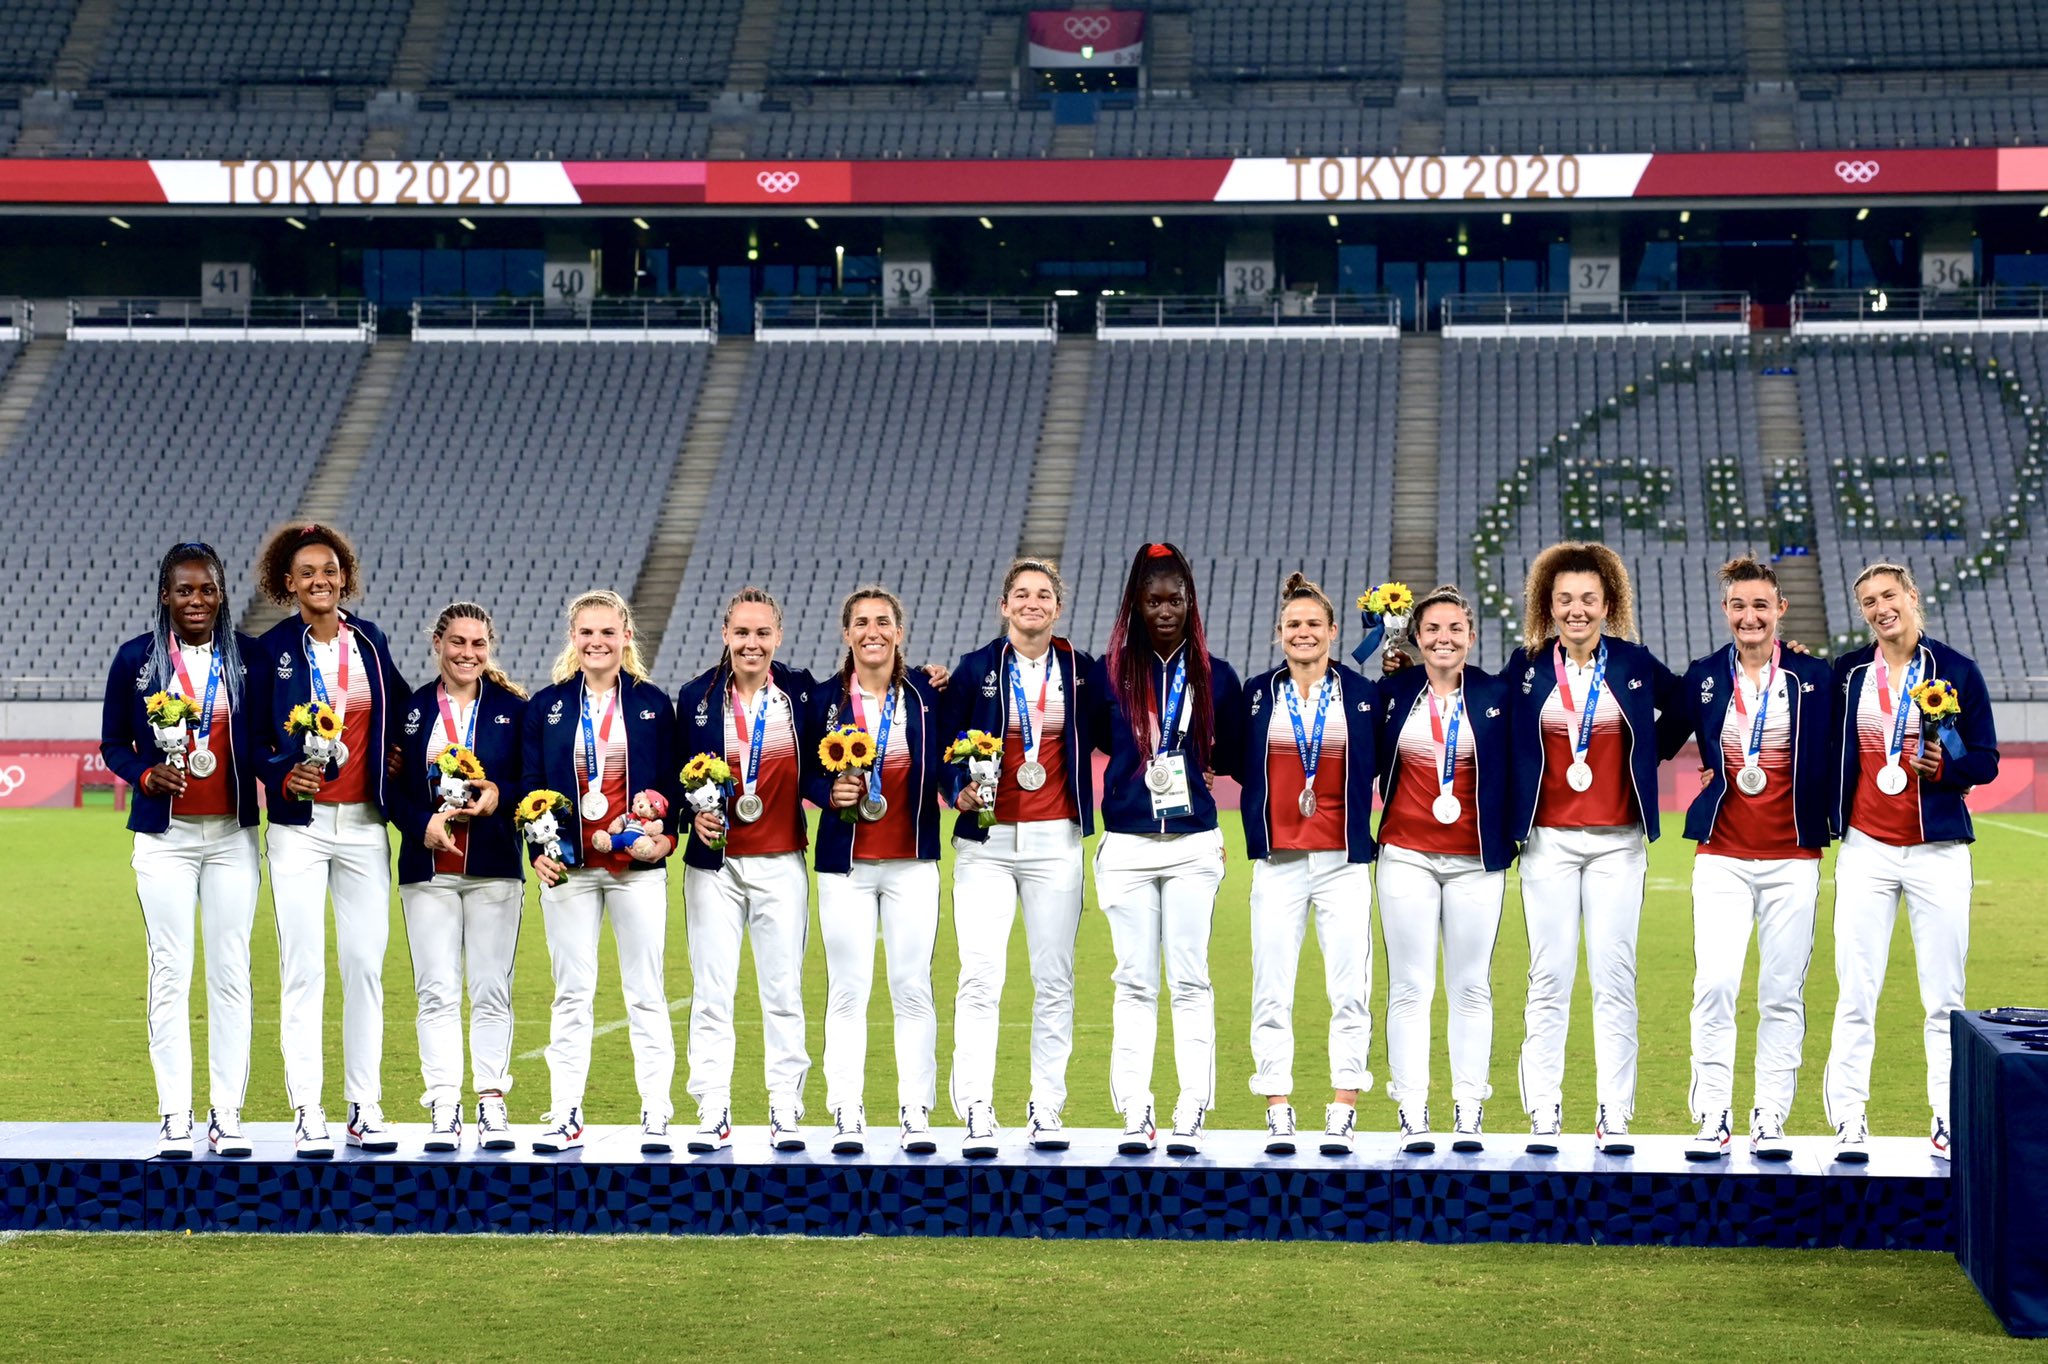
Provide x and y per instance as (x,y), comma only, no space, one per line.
(164,638)
(1130,670)
(872,592)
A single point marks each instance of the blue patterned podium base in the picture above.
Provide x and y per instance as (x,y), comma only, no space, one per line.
(74,1177)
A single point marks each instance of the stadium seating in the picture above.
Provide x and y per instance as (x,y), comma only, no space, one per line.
(1591,38)
(849,462)
(31,34)
(1257,458)
(1649,445)
(1915,35)
(946,130)
(1904,120)
(892,41)
(568,133)
(579,442)
(1295,39)
(175,441)
(1572,123)
(1313,122)
(280,125)
(585,47)
(207,44)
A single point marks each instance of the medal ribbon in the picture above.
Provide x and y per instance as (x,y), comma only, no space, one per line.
(1884,700)
(1310,748)
(1173,713)
(752,742)
(468,740)
(320,683)
(1025,732)
(593,757)
(205,725)
(1750,755)
(1446,735)
(1564,686)
(881,737)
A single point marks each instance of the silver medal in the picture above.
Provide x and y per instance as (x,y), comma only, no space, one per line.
(1447,808)
(1158,777)
(1751,781)
(1892,779)
(748,808)
(1579,776)
(593,805)
(202,763)
(1307,802)
(873,808)
(340,753)
(1030,775)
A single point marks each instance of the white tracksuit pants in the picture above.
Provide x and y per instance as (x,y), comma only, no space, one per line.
(1424,897)
(1284,886)
(1037,865)
(344,852)
(903,897)
(1159,891)
(767,900)
(461,927)
(573,911)
(1570,877)
(1730,896)
(1870,877)
(209,861)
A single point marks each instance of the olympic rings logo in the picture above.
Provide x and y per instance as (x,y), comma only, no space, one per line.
(11,778)
(1087,27)
(1856,172)
(778,182)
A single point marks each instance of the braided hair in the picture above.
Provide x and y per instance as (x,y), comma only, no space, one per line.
(1130,672)
(163,638)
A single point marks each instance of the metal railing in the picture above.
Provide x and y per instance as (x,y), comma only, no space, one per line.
(608,318)
(18,315)
(259,319)
(1877,308)
(1278,311)
(1021,317)
(1562,310)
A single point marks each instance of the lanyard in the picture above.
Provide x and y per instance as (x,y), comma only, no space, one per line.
(340,708)
(1884,702)
(593,757)
(881,736)
(1310,747)
(1446,734)
(1763,705)
(468,740)
(1023,707)
(1564,686)
(1173,718)
(205,724)
(752,743)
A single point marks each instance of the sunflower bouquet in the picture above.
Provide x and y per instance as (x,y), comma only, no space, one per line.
(982,754)
(1384,612)
(459,768)
(707,782)
(538,818)
(169,714)
(1940,706)
(320,731)
(848,748)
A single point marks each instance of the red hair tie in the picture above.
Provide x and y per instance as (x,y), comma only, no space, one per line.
(1158,551)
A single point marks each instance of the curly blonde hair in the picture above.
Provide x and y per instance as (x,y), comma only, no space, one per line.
(1577,556)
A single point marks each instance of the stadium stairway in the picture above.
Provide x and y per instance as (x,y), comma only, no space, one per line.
(1417,462)
(1422,47)
(89,25)
(326,495)
(414,65)
(1781,435)
(682,507)
(1059,449)
(1169,51)
(23,383)
(752,43)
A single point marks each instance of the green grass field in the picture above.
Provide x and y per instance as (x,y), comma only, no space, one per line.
(73,974)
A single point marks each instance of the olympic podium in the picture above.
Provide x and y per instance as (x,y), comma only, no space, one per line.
(65,1176)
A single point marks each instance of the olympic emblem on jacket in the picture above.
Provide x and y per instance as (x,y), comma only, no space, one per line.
(555,712)
(412,721)
(778,182)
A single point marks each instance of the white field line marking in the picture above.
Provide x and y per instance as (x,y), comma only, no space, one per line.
(2012,828)
(675,1006)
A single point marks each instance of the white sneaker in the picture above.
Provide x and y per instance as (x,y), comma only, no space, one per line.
(654,1134)
(1186,1137)
(1279,1129)
(310,1139)
(559,1134)
(1339,1122)
(980,1142)
(714,1130)
(1767,1136)
(1610,1134)
(1042,1128)
(445,1133)
(916,1138)
(849,1130)
(785,1132)
(1468,1120)
(174,1136)
(1941,1140)
(1141,1134)
(1546,1125)
(1711,1141)
(1852,1140)
(493,1124)
(224,1133)
(366,1129)
(1415,1135)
